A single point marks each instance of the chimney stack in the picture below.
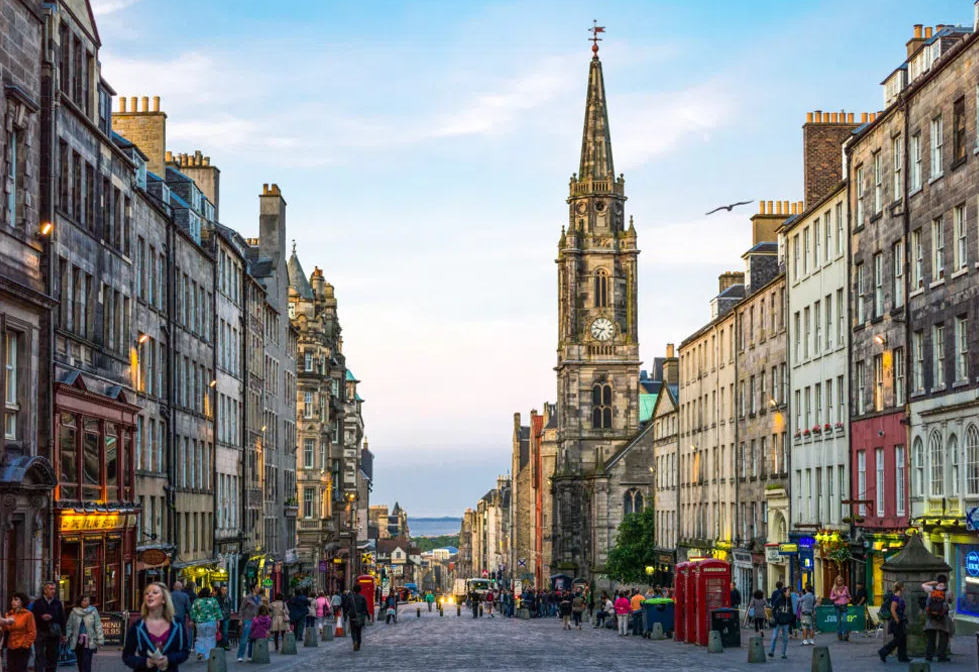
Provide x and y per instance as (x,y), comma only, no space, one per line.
(198,167)
(144,128)
(671,366)
(823,135)
(729,279)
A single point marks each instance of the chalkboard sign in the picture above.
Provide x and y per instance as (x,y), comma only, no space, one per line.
(113,627)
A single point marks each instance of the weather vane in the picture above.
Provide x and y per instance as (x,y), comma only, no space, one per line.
(595,39)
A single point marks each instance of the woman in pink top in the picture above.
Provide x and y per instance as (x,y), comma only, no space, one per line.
(623,609)
(840,596)
(322,606)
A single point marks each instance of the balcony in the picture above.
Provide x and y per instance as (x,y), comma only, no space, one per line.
(291,507)
(310,525)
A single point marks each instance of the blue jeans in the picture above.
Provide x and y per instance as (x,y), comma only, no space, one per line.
(224,634)
(246,630)
(637,622)
(784,629)
(841,624)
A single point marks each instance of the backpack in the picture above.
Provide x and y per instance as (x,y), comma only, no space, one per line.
(780,610)
(884,613)
(936,607)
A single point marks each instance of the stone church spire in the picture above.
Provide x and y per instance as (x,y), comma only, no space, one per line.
(596,142)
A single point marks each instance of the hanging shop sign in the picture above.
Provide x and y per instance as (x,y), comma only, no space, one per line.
(153,557)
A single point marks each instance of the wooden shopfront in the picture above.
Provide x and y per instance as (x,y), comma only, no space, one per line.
(95,513)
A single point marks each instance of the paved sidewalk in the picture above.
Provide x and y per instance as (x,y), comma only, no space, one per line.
(491,644)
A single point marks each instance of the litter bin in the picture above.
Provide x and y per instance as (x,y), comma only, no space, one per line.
(727,622)
(658,610)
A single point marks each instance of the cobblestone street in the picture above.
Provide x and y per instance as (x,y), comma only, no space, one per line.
(454,643)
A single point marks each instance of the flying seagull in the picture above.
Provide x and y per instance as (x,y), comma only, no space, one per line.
(728,207)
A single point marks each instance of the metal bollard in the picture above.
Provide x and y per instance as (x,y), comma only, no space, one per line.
(419,612)
(459,611)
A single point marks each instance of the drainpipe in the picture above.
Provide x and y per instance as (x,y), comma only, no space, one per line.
(905,107)
(172,518)
(50,102)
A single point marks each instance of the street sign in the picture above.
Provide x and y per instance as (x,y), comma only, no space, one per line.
(267,583)
(485,574)
(522,562)
(972,519)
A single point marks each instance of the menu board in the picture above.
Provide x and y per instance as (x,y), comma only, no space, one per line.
(113,628)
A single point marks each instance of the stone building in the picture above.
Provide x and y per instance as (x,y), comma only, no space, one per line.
(351,423)
(816,273)
(313,314)
(491,531)
(913,175)
(522,511)
(545,448)
(377,516)
(268,264)
(464,562)
(89,197)
(253,466)
(762,457)
(26,474)
(707,436)
(598,349)
(666,425)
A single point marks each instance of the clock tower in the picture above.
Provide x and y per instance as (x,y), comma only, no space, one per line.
(598,345)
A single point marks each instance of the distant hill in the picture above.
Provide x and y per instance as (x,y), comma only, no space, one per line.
(431,543)
(434,527)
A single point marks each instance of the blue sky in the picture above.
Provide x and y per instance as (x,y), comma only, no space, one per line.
(424,150)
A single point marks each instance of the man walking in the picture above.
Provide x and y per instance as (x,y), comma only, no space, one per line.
(181,605)
(50,622)
(224,601)
(782,615)
(735,597)
(355,608)
(937,621)
(247,611)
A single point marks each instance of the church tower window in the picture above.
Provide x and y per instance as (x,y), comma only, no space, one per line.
(601,399)
(601,288)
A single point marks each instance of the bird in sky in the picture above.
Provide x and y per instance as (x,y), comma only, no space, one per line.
(729,207)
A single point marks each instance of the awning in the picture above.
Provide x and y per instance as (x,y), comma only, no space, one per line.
(195,563)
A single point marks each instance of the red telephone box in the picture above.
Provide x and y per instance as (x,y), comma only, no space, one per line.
(690,614)
(680,600)
(367,583)
(712,579)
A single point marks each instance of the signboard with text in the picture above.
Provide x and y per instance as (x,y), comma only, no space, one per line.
(113,628)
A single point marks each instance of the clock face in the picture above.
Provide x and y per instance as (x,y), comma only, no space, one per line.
(581,207)
(602,329)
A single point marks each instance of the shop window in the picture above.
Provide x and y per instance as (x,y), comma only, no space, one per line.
(68,463)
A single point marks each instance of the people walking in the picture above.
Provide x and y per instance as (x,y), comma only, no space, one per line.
(840,597)
(938,625)
(84,632)
(298,611)
(756,610)
(50,620)
(156,641)
(807,607)
(782,617)
(355,607)
(622,611)
(898,626)
(224,601)
(391,607)
(280,618)
(246,612)
(205,613)
(261,625)
(577,609)
(564,608)
(735,597)
(181,605)
(19,633)
(635,604)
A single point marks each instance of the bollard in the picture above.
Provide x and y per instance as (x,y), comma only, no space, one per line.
(919,667)
(289,644)
(756,650)
(217,662)
(309,637)
(714,643)
(441,613)
(820,659)
(480,610)
(327,631)
(657,633)
(260,653)
(419,612)
(459,610)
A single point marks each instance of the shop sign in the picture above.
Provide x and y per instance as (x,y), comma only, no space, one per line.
(267,583)
(972,564)
(85,522)
(324,565)
(972,519)
(113,628)
(153,557)
(772,554)
(742,558)
(788,549)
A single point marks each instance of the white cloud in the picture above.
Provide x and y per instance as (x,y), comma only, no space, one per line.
(719,239)
(103,7)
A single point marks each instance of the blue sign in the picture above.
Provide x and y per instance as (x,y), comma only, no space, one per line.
(972,564)
(972,519)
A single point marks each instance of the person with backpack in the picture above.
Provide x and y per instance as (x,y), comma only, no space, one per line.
(807,607)
(756,610)
(840,597)
(898,624)
(356,609)
(781,619)
(937,621)
(564,607)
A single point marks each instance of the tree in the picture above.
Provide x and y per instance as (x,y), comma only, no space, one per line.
(634,548)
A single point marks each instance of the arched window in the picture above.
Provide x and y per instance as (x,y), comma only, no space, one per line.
(972,461)
(953,461)
(632,501)
(936,453)
(918,457)
(601,399)
(601,288)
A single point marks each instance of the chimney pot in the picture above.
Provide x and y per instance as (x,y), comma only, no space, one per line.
(146,103)
(786,208)
(808,117)
(917,31)
(169,156)
(156,103)
(122,104)
(778,207)
(819,117)
(761,207)
(833,117)
(265,188)
(938,27)
(132,104)
(771,207)
(863,117)
(928,33)
(207,161)
(849,118)
(794,209)
(669,350)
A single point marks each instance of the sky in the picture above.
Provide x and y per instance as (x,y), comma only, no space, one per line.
(424,150)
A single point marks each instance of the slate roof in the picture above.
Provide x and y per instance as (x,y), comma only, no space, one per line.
(297,277)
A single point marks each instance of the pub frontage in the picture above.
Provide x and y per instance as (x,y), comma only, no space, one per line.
(96,516)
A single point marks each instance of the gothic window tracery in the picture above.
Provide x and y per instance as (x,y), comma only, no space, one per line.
(633,501)
(601,288)
(601,399)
